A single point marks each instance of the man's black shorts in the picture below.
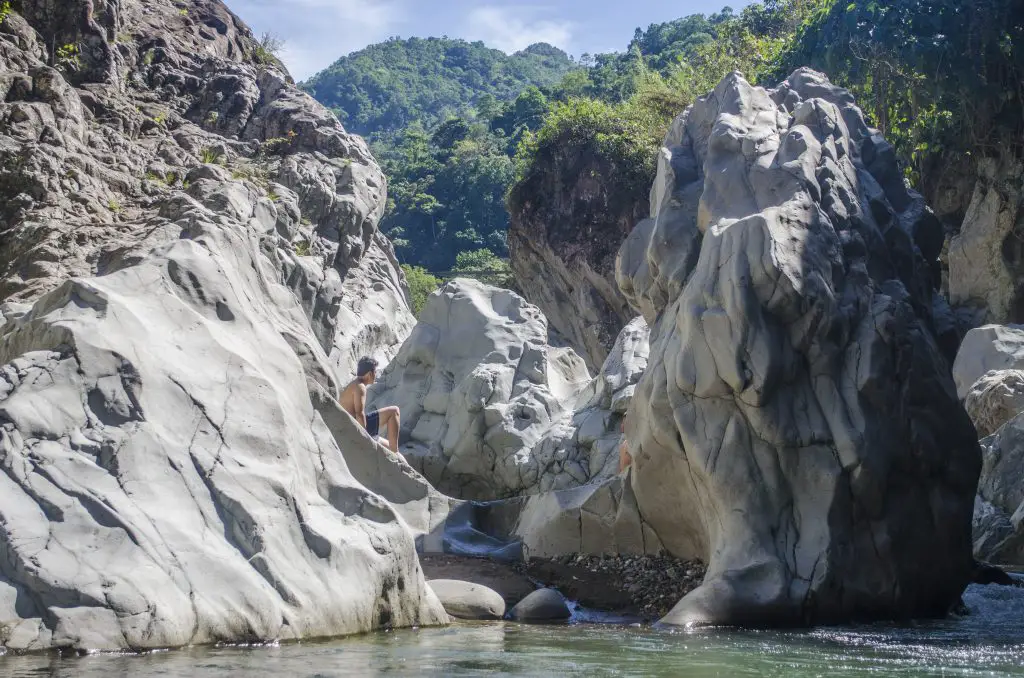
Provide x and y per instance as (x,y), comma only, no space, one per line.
(373,423)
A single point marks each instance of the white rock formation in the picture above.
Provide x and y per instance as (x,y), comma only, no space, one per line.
(987,348)
(175,469)
(479,386)
(796,427)
(490,410)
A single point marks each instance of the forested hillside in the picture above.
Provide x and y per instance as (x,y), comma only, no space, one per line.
(459,127)
(384,88)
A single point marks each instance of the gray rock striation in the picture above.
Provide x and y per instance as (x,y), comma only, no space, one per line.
(189,264)
(797,427)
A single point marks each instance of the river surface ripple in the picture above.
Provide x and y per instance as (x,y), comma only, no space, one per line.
(988,642)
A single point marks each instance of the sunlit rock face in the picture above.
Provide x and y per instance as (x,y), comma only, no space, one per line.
(189,266)
(797,426)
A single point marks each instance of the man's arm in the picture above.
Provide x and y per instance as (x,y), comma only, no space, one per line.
(360,403)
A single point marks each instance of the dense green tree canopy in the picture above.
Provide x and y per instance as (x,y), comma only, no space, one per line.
(456,124)
(381,90)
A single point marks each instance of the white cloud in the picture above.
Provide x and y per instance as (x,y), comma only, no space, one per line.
(511,29)
(318,32)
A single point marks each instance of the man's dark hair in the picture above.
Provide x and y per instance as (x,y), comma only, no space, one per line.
(366,365)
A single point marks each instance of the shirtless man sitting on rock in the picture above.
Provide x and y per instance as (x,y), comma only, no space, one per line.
(353,399)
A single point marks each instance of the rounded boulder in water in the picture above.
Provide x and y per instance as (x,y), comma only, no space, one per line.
(466,600)
(543,605)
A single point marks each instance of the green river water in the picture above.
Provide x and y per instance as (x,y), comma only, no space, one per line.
(988,642)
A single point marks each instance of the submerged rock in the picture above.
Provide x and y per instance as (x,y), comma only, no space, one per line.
(543,605)
(190,261)
(796,427)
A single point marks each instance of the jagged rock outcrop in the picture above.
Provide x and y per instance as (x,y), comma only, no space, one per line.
(190,262)
(999,514)
(995,399)
(478,386)
(986,258)
(567,221)
(796,427)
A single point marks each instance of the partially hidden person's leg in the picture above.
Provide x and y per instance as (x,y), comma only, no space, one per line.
(392,418)
(624,457)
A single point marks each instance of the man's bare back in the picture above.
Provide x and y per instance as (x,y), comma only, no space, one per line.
(353,400)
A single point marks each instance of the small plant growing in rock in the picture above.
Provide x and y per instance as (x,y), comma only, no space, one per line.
(302,248)
(305,221)
(267,49)
(171,178)
(212,118)
(273,197)
(160,119)
(67,58)
(5,11)
(148,57)
(183,11)
(210,157)
(278,144)
(114,206)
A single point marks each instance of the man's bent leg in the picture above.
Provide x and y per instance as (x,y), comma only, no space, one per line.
(392,418)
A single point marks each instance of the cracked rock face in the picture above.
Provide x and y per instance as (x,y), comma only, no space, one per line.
(797,427)
(188,252)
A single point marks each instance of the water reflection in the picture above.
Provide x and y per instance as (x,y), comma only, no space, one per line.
(988,642)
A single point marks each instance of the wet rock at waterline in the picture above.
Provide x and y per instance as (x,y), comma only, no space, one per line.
(543,605)
(466,600)
(796,426)
(167,478)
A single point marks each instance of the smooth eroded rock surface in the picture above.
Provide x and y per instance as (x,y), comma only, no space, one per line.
(466,600)
(543,605)
(987,348)
(796,427)
(478,385)
(189,264)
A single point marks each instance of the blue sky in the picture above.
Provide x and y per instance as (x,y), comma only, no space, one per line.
(319,31)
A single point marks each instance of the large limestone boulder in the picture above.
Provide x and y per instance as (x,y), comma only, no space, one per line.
(986,260)
(987,348)
(189,259)
(479,386)
(490,410)
(796,427)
